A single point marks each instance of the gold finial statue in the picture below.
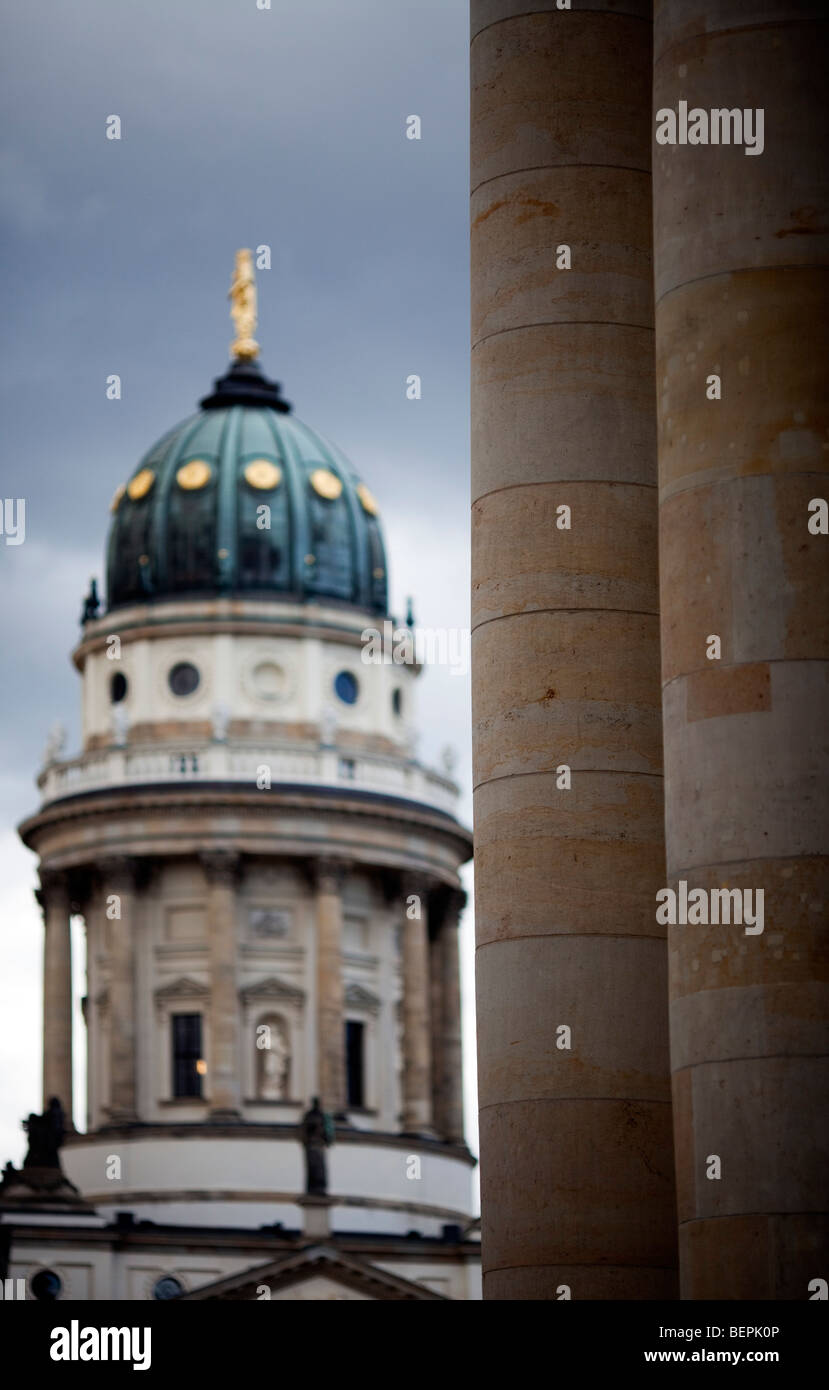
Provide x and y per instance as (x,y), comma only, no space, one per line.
(243,308)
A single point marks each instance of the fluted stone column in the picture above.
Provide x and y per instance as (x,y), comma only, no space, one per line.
(224,1083)
(417,1058)
(741,295)
(118,888)
(57,990)
(576,1154)
(329,877)
(451,1089)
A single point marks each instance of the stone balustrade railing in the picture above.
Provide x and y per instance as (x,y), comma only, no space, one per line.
(245,764)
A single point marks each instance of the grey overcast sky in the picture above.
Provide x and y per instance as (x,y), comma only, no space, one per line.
(240,127)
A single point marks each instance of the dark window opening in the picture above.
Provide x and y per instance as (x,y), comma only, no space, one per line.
(46,1286)
(187,1055)
(117,687)
(354,1064)
(184,678)
(167,1287)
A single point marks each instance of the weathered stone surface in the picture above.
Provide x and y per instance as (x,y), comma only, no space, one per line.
(518,223)
(529,989)
(547,694)
(547,1283)
(753,1256)
(601,1194)
(555,88)
(568,402)
(575,1151)
(718,210)
(586,860)
(526,563)
(740,242)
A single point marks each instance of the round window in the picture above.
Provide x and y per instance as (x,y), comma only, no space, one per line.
(397,700)
(184,678)
(346,687)
(167,1287)
(118,688)
(46,1286)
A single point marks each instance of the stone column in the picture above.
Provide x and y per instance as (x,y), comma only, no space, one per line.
(575,1127)
(742,342)
(119,907)
(451,1041)
(436,1026)
(329,875)
(417,1058)
(57,990)
(224,1082)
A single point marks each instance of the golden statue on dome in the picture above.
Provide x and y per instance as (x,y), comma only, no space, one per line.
(243,308)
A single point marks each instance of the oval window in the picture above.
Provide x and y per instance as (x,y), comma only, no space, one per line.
(118,688)
(167,1287)
(346,687)
(184,678)
(46,1286)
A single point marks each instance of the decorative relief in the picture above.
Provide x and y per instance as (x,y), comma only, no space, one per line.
(274,923)
(266,678)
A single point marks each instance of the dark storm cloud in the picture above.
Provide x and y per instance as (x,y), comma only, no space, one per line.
(240,127)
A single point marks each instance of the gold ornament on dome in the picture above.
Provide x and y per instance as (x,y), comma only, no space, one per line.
(243,308)
(193,475)
(117,497)
(368,500)
(326,484)
(263,474)
(140,485)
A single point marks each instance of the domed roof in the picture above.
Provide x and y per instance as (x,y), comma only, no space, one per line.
(242,498)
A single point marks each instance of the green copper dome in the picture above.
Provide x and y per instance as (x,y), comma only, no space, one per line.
(244,499)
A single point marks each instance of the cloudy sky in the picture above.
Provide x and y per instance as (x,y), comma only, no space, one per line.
(240,127)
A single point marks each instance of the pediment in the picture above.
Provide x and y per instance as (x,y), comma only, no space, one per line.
(182,988)
(319,1272)
(358,997)
(272,988)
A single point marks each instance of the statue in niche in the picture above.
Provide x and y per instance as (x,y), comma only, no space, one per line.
(273,1059)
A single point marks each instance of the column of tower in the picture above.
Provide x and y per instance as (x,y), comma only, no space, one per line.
(576,1157)
(742,335)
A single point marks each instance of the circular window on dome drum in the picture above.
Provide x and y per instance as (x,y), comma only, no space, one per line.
(346,687)
(184,678)
(118,688)
(167,1287)
(46,1286)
